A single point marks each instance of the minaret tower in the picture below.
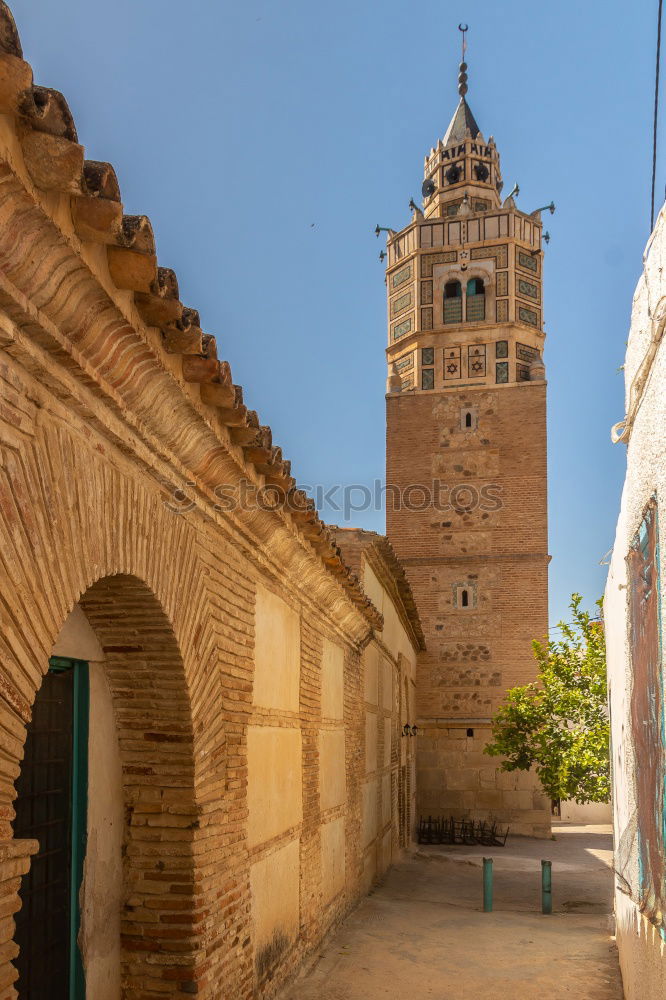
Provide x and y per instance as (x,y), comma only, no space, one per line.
(466,465)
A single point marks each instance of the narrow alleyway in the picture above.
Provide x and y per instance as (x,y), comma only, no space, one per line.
(422,933)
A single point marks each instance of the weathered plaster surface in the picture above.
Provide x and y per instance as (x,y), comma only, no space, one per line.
(275,798)
(641,944)
(277,653)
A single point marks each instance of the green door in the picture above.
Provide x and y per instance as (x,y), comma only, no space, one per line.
(51,807)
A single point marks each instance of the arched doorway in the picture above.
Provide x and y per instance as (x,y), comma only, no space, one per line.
(51,808)
(65,890)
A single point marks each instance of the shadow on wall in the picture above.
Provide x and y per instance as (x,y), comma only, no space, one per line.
(268,957)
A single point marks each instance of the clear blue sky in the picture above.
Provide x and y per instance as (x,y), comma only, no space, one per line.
(236,126)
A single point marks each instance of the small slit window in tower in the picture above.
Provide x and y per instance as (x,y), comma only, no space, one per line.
(464,596)
(452,302)
(470,732)
(469,419)
(476,300)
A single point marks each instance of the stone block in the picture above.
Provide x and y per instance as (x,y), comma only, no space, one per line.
(277,657)
(275,903)
(332,858)
(370,742)
(274,796)
(463,779)
(370,663)
(369,809)
(332,771)
(388,732)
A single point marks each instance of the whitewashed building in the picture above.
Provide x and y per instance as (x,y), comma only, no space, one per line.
(634,612)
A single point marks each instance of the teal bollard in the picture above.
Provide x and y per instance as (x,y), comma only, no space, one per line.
(487,885)
(546,887)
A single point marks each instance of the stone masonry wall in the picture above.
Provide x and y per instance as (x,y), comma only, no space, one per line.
(491,542)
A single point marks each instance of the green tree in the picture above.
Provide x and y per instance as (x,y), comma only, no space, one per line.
(559,724)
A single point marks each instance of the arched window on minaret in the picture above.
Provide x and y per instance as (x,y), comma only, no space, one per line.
(452,302)
(476,300)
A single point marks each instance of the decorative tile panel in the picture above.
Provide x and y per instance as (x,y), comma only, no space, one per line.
(528,261)
(502,349)
(502,283)
(428,356)
(502,371)
(426,293)
(405,362)
(451,363)
(428,378)
(426,318)
(400,329)
(526,353)
(522,373)
(499,253)
(401,276)
(401,303)
(407,382)
(528,315)
(428,261)
(476,361)
(502,310)
(527,288)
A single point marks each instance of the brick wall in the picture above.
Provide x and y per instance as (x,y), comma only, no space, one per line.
(118,426)
(172,599)
(491,542)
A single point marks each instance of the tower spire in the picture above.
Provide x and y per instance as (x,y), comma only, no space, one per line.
(462,76)
(463,119)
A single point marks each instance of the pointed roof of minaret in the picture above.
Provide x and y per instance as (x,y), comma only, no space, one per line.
(462,120)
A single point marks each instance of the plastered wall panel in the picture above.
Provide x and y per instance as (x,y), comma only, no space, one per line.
(371,674)
(369,811)
(387,743)
(370,742)
(332,768)
(274,888)
(277,654)
(274,795)
(386,799)
(387,685)
(332,858)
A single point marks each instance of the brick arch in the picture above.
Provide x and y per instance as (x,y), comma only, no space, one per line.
(144,668)
(75,528)
(145,672)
